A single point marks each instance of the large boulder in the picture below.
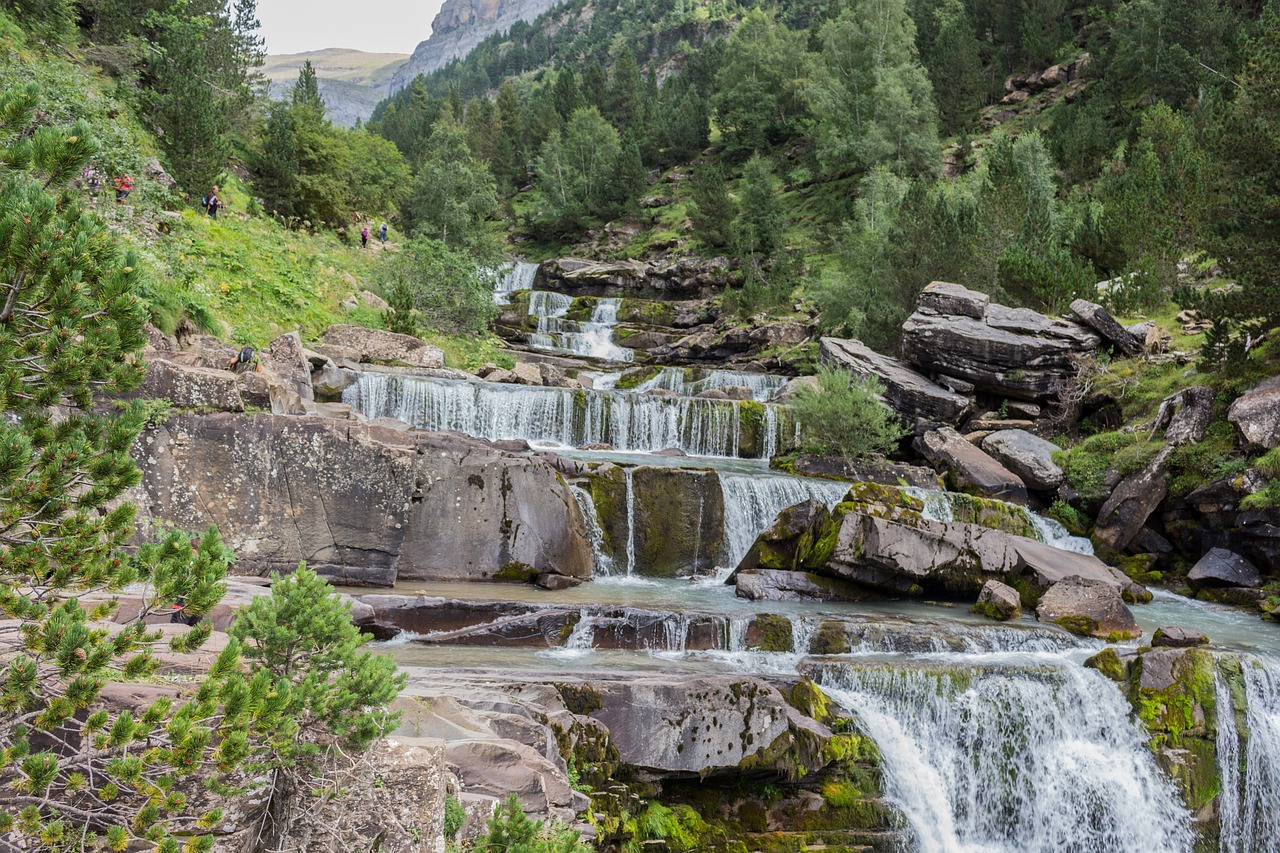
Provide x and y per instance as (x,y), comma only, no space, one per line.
(780,585)
(1027,455)
(1256,414)
(968,468)
(1098,319)
(285,360)
(1176,637)
(789,542)
(1223,568)
(187,387)
(906,391)
(1186,415)
(382,347)
(1012,352)
(998,601)
(1126,511)
(359,502)
(1088,607)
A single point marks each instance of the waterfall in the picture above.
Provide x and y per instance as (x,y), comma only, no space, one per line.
(1043,760)
(595,534)
(549,308)
(629,478)
(752,503)
(581,640)
(590,338)
(564,416)
(937,506)
(518,276)
(1250,801)
(676,380)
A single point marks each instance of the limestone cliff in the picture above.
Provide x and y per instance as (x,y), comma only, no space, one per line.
(460,26)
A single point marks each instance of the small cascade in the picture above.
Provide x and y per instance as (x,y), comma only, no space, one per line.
(563,416)
(802,631)
(595,534)
(629,477)
(676,380)
(1250,761)
(549,307)
(518,276)
(937,506)
(589,338)
(581,640)
(1042,760)
(752,503)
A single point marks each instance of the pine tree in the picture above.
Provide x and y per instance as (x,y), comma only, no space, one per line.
(624,99)
(510,156)
(565,93)
(306,90)
(712,212)
(276,167)
(955,67)
(74,772)
(760,216)
(759,88)
(595,85)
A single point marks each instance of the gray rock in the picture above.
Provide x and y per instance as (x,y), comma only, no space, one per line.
(907,392)
(523,373)
(784,585)
(1256,414)
(968,468)
(255,389)
(1175,637)
(788,392)
(1223,568)
(998,601)
(1089,608)
(1029,456)
(358,502)
(284,360)
(1097,318)
(882,471)
(1126,511)
(329,382)
(942,297)
(379,346)
(191,387)
(204,351)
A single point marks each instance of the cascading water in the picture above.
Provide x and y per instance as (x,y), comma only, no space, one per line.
(518,276)
(1026,760)
(677,380)
(564,416)
(589,338)
(1249,805)
(629,478)
(753,501)
(938,507)
(595,534)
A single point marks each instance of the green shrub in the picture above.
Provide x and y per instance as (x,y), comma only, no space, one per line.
(454,816)
(510,830)
(846,417)
(431,285)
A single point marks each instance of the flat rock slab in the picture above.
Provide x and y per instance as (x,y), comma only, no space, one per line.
(191,387)
(909,393)
(784,585)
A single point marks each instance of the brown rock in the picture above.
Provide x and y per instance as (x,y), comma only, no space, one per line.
(1178,638)
(969,468)
(1089,608)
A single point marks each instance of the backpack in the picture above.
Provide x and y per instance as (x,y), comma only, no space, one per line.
(204,201)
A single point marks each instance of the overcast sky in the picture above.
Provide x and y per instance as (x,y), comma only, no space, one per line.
(378,26)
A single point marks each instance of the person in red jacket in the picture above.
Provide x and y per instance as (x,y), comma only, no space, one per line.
(124,186)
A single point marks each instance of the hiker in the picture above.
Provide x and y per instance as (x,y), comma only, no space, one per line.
(382,233)
(92,182)
(124,186)
(364,237)
(242,361)
(212,203)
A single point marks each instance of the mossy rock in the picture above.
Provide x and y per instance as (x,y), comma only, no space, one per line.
(1108,663)
(808,698)
(770,632)
(830,639)
(994,514)
(637,376)
(516,572)
(887,502)
(580,698)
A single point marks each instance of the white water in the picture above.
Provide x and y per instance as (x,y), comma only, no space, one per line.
(590,338)
(752,503)
(1036,760)
(560,416)
(595,534)
(938,507)
(518,276)
(678,380)
(629,478)
(1250,800)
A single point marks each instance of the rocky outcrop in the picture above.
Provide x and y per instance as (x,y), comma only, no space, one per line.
(968,468)
(1011,352)
(665,278)
(1089,607)
(459,26)
(199,388)
(907,392)
(1097,318)
(998,601)
(1256,414)
(361,503)
(1131,504)
(1028,456)
(381,347)
(882,471)
(1223,568)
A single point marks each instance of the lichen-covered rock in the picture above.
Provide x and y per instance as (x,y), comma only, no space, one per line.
(998,601)
(1027,455)
(1091,608)
(1256,414)
(358,502)
(790,541)
(969,468)
(285,360)
(1131,503)
(191,387)
(383,347)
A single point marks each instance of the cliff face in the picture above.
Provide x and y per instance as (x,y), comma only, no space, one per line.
(460,26)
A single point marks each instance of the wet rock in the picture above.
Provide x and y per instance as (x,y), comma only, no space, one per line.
(998,601)
(555,582)
(1011,352)
(906,391)
(1126,511)
(329,382)
(1097,318)
(969,468)
(1087,607)
(358,502)
(1223,568)
(191,387)
(382,347)
(1256,414)
(1027,455)
(791,543)
(1175,637)
(779,585)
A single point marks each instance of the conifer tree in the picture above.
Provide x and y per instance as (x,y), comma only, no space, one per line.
(760,217)
(625,94)
(712,212)
(306,91)
(510,156)
(75,773)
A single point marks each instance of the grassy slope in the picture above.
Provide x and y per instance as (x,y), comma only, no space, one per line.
(244,277)
(336,63)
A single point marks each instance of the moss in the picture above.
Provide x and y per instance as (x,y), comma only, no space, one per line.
(808,698)
(1081,625)
(850,747)
(580,699)
(994,514)
(830,639)
(770,632)
(517,572)
(571,621)
(1108,663)
(989,610)
(637,376)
